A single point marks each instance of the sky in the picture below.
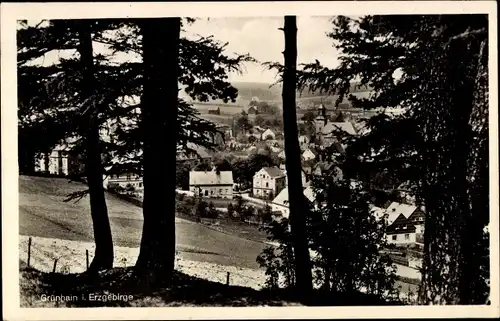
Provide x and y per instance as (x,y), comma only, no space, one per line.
(260,37)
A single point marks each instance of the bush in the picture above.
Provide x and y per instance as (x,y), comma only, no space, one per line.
(345,239)
(278,262)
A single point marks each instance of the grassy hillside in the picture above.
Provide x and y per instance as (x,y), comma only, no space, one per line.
(42,210)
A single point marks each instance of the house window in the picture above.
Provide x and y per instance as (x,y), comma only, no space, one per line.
(407,236)
(206,193)
(140,184)
(267,184)
(220,191)
(128,176)
(394,237)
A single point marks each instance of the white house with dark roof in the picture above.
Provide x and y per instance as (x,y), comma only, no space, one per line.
(404,222)
(268,182)
(214,184)
(411,212)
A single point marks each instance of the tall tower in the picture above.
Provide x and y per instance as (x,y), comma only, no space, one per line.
(321,119)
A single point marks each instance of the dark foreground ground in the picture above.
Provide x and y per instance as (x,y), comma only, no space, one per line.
(83,290)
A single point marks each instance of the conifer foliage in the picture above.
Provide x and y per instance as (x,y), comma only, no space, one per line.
(433,70)
(94,98)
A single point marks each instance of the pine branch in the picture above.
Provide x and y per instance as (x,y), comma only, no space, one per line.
(77,196)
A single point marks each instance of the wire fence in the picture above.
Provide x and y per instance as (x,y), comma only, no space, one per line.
(59,257)
(54,256)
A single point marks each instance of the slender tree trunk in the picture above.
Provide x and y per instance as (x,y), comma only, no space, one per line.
(159,126)
(103,258)
(297,203)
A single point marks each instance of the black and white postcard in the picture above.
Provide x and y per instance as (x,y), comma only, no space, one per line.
(298,159)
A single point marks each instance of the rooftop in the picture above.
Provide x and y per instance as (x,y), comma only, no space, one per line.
(273,171)
(210,178)
(344,126)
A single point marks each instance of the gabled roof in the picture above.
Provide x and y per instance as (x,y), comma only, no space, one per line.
(401,225)
(344,126)
(247,109)
(282,197)
(311,150)
(274,171)
(210,178)
(395,209)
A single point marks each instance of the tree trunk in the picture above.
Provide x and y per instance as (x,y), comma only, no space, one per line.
(103,258)
(297,203)
(453,226)
(160,43)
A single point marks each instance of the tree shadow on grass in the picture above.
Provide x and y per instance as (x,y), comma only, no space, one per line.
(121,289)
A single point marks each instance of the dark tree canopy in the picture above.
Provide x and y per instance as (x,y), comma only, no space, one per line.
(433,71)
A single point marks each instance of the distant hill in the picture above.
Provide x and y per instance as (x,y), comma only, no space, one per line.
(267,92)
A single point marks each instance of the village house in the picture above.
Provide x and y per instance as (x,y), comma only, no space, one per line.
(213,184)
(214,111)
(281,204)
(124,180)
(309,154)
(411,212)
(62,160)
(250,110)
(281,154)
(304,142)
(194,154)
(401,231)
(404,223)
(268,182)
(325,129)
(268,134)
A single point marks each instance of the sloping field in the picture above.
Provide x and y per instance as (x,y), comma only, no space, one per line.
(43,213)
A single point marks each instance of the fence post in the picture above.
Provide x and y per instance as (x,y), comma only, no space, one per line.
(227,279)
(29,251)
(87,256)
(54,269)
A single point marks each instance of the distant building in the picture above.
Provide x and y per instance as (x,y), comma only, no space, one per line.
(401,231)
(411,212)
(125,181)
(268,134)
(309,154)
(212,184)
(62,160)
(304,141)
(325,129)
(404,222)
(281,202)
(250,110)
(194,154)
(214,111)
(268,182)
